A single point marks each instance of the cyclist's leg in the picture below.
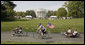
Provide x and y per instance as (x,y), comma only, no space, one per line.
(42,32)
(38,31)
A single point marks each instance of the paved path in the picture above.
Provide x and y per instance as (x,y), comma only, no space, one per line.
(53,38)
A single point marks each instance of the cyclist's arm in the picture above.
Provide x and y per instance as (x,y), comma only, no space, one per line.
(39,28)
(45,29)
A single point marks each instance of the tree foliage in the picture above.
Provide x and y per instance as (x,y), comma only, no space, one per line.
(61,12)
(23,14)
(7,9)
(31,12)
(75,8)
(49,13)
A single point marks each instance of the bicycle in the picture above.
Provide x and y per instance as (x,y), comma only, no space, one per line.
(70,35)
(37,35)
(17,33)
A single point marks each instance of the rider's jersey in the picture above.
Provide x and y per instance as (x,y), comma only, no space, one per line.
(75,32)
(69,31)
(42,27)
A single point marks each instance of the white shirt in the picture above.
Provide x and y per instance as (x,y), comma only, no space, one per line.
(69,31)
(75,32)
(20,30)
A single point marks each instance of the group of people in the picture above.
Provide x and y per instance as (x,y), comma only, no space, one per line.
(18,29)
(69,33)
(42,30)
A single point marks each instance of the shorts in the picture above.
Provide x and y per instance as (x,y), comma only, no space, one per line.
(43,31)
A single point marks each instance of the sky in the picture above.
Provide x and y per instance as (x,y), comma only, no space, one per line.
(33,5)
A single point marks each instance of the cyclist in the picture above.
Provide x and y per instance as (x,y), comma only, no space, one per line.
(42,29)
(20,30)
(69,32)
(17,29)
(75,33)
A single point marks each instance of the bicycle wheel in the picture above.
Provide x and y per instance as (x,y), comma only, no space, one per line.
(37,36)
(13,33)
(25,33)
(18,34)
(46,35)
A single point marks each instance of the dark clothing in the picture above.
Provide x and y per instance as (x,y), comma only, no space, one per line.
(75,35)
(49,24)
(17,30)
(21,32)
(44,32)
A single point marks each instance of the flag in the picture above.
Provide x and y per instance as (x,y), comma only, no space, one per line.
(50,25)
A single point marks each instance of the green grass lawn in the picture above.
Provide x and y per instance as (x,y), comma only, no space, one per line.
(11,42)
(31,25)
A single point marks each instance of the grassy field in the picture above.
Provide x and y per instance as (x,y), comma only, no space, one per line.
(31,25)
(10,42)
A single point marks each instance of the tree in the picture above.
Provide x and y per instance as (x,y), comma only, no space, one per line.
(75,8)
(3,11)
(55,13)
(10,6)
(23,14)
(31,12)
(61,12)
(49,13)
(7,9)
